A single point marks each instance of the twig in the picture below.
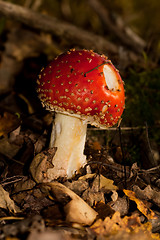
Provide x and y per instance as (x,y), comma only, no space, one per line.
(148,142)
(131,34)
(123,157)
(27,3)
(34,5)
(10,218)
(11,180)
(54,26)
(115,128)
(151,170)
(107,165)
(64,30)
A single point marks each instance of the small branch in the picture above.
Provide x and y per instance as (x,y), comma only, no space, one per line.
(117,168)
(64,30)
(123,157)
(148,142)
(115,128)
(36,4)
(11,180)
(56,27)
(27,3)
(151,170)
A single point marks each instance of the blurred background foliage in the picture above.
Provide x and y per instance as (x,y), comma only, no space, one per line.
(141,15)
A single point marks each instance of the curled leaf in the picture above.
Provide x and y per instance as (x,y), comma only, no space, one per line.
(6,202)
(75,208)
(148,213)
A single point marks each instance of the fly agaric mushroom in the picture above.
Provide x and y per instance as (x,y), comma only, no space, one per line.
(82,87)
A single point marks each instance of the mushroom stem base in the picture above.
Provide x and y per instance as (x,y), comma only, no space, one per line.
(68,136)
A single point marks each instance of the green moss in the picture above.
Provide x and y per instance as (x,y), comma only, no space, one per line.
(142,97)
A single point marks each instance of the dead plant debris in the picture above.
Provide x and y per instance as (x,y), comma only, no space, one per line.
(91,205)
(116,196)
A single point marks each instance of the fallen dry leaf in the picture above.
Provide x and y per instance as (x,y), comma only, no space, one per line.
(140,204)
(92,196)
(104,183)
(8,148)
(103,209)
(107,184)
(87,176)
(148,194)
(75,208)
(78,186)
(6,202)
(114,196)
(109,225)
(96,145)
(99,186)
(120,205)
(127,227)
(8,123)
(40,164)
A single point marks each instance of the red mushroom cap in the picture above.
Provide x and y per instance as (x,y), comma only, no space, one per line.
(83,84)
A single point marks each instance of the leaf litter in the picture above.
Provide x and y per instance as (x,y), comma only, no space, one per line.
(93,205)
(29,210)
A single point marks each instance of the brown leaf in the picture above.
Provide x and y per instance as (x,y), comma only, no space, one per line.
(8,123)
(126,228)
(148,194)
(104,210)
(6,202)
(8,148)
(140,204)
(87,176)
(107,184)
(75,208)
(40,164)
(96,145)
(103,182)
(120,205)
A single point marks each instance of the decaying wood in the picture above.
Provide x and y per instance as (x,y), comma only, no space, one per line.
(61,29)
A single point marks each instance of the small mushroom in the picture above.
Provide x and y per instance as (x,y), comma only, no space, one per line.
(81,87)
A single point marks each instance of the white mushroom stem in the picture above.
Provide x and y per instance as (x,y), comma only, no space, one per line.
(68,136)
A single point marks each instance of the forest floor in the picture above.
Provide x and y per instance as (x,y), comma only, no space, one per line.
(106,200)
(116,196)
